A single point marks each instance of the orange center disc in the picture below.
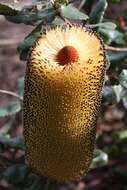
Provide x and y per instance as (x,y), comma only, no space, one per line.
(66,55)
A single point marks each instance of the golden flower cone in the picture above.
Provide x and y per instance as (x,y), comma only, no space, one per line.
(62,101)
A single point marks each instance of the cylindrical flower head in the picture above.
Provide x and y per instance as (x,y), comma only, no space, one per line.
(64,78)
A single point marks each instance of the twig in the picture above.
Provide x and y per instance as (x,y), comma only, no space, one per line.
(111,48)
(8,42)
(11,94)
(81,4)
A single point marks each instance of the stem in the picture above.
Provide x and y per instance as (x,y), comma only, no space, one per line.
(81,4)
(12,94)
(111,48)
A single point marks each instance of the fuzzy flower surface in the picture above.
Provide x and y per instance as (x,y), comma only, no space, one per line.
(64,79)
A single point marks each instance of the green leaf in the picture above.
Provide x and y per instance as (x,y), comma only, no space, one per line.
(108,95)
(123,78)
(10,109)
(7,10)
(118,149)
(118,89)
(124,97)
(16,174)
(17,142)
(23,48)
(121,94)
(122,134)
(117,57)
(57,22)
(21,86)
(28,16)
(124,100)
(100,159)
(96,15)
(105,25)
(113,36)
(72,13)
(6,127)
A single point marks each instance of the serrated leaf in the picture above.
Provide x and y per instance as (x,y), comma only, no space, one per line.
(16,174)
(7,10)
(72,13)
(29,40)
(96,15)
(26,16)
(10,109)
(17,142)
(23,48)
(100,159)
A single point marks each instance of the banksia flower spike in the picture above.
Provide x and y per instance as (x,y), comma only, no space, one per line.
(64,78)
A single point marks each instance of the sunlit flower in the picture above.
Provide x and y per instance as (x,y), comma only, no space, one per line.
(64,78)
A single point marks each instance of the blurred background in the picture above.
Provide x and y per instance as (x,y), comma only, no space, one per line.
(21,22)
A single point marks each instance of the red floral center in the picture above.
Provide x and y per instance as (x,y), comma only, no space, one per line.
(66,55)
